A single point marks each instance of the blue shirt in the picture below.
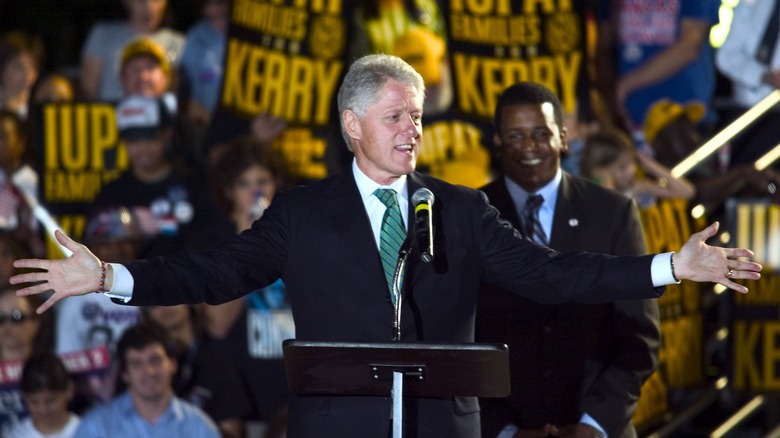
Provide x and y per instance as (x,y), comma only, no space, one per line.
(648,28)
(202,58)
(119,419)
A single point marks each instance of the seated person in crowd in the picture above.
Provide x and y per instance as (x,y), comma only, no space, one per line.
(21,336)
(47,389)
(148,408)
(204,377)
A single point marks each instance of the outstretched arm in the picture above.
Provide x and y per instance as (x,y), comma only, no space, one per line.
(78,274)
(698,261)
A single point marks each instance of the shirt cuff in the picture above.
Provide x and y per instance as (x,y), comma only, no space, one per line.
(122,288)
(508,431)
(661,270)
(587,419)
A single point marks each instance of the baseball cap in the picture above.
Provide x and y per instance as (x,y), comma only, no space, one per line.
(112,224)
(140,117)
(665,111)
(145,47)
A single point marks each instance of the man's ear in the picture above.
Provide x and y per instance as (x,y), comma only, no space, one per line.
(496,144)
(564,140)
(351,124)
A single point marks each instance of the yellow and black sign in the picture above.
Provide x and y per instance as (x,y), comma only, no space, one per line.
(667,226)
(757,226)
(78,151)
(755,333)
(285,59)
(494,44)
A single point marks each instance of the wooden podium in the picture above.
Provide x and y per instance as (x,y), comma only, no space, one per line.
(397,369)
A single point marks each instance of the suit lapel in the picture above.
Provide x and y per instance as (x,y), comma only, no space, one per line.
(346,208)
(566,221)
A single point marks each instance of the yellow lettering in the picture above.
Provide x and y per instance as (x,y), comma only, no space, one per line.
(50,137)
(771,354)
(67,187)
(453,151)
(682,349)
(653,401)
(295,88)
(273,82)
(568,68)
(273,19)
(746,374)
(764,291)
(303,154)
(466,70)
(232,92)
(103,134)
(299,95)
(494,30)
(480,80)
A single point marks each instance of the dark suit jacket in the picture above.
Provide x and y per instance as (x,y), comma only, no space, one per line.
(570,359)
(318,239)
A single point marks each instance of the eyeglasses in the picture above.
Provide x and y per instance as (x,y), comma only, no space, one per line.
(15,317)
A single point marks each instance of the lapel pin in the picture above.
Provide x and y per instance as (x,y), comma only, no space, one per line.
(573,222)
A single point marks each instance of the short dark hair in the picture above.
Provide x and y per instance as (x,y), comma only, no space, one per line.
(528,93)
(139,337)
(44,372)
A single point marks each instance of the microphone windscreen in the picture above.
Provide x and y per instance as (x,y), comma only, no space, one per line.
(422,195)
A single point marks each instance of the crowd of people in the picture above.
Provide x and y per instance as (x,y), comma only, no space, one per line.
(196,369)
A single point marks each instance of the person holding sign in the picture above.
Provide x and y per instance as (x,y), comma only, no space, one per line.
(323,241)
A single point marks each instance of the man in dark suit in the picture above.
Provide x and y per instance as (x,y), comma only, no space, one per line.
(576,369)
(326,241)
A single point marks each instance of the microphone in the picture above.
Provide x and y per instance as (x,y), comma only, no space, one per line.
(422,199)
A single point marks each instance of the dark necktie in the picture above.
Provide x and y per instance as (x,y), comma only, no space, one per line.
(533,228)
(766,48)
(391,235)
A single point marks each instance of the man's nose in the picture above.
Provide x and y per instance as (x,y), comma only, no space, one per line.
(411,128)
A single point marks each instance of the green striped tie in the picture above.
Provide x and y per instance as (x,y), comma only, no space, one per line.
(391,235)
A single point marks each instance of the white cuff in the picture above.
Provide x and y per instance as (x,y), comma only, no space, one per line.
(123,283)
(661,270)
(587,419)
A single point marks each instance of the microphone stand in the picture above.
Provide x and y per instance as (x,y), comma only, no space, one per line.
(398,376)
(400,267)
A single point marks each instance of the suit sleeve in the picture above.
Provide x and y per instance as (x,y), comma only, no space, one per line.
(611,399)
(253,259)
(547,276)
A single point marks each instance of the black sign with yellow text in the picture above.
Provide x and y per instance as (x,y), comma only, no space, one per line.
(667,226)
(755,317)
(77,151)
(286,59)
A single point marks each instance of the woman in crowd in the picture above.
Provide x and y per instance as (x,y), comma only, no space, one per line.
(20,59)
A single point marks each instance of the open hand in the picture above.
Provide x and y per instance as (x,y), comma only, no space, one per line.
(698,261)
(78,274)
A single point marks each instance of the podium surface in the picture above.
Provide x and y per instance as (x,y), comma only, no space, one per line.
(430,370)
